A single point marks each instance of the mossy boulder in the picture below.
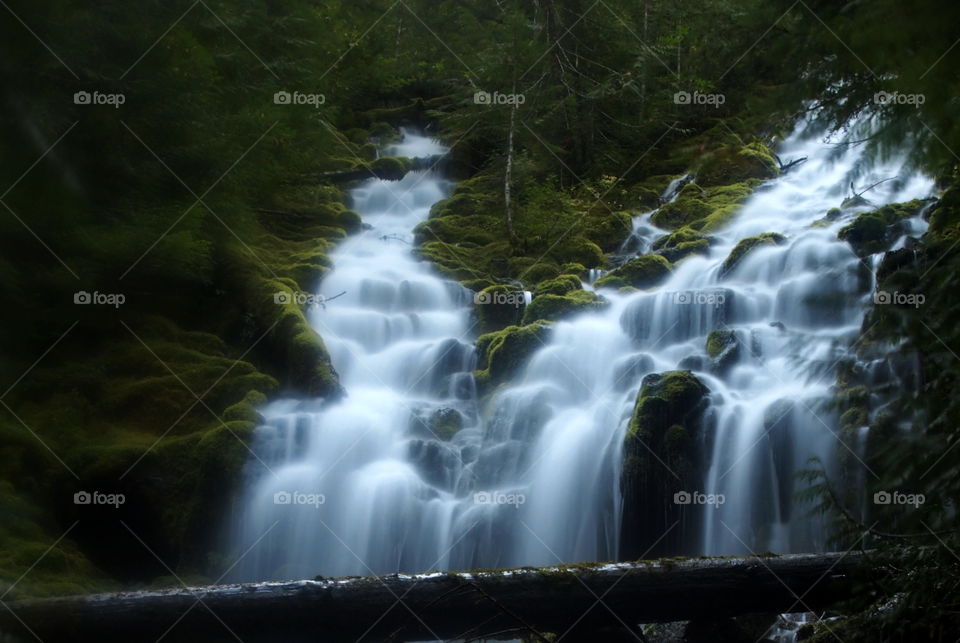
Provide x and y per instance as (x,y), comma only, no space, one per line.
(664,453)
(498,306)
(675,238)
(646,271)
(577,249)
(682,243)
(681,212)
(573,268)
(745,246)
(732,164)
(723,348)
(607,229)
(534,273)
(875,231)
(307,365)
(445,423)
(945,217)
(455,229)
(391,168)
(554,307)
(688,248)
(559,286)
(501,354)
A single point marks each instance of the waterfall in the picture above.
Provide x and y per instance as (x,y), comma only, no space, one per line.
(411,472)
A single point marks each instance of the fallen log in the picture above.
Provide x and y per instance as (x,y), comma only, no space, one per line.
(529,601)
(367,172)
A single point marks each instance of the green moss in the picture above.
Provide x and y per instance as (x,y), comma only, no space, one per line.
(455,229)
(733,163)
(607,229)
(665,400)
(577,249)
(945,217)
(718,341)
(555,307)
(641,272)
(392,168)
(663,453)
(723,347)
(502,353)
(682,243)
(498,306)
(573,268)
(537,272)
(680,235)
(873,232)
(445,423)
(747,245)
(559,286)
(680,212)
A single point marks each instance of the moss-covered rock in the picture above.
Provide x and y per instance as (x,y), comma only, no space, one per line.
(945,217)
(537,272)
(445,423)
(646,271)
(723,347)
(578,249)
(455,229)
(873,232)
(681,212)
(559,286)
(607,229)
(682,243)
(498,306)
(746,246)
(573,268)
(732,164)
(554,307)
(391,168)
(501,354)
(664,452)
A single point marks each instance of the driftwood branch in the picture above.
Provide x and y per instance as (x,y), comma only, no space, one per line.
(446,604)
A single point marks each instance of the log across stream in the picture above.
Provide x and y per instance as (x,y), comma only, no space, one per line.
(526,601)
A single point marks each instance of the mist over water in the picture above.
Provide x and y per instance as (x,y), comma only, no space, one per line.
(373,483)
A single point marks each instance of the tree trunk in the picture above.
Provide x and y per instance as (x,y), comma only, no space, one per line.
(508,177)
(519,602)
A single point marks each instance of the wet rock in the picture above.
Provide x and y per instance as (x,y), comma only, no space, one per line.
(724,350)
(642,272)
(628,370)
(746,246)
(663,454)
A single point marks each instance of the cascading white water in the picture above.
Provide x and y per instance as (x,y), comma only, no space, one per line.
(533,476)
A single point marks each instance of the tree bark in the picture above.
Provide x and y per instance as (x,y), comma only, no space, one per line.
(525,601)
(508,177)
